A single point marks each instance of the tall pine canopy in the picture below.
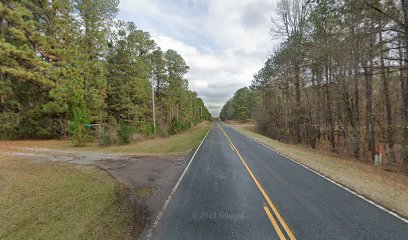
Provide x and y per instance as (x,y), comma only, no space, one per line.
(67,66)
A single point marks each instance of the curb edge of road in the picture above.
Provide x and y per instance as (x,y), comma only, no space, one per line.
(385,209)
(166,203)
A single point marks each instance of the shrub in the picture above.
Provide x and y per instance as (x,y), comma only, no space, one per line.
(162,131)
(33,123)
(125,134)
(176,126)
(145,128)
(107,138)
(9,125)
(77,130)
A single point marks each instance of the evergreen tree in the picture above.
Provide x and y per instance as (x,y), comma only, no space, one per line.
(129,72)
(95,19)
(65,65)
(238,107)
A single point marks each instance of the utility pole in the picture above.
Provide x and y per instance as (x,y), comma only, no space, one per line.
(153,107)
(201,112)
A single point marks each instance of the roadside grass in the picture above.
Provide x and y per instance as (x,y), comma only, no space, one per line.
(181,143)
(389,189)
(41,200)
(178,144)
(61,201)
(239,123)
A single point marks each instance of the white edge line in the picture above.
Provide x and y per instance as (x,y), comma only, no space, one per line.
(156,221)
(327,178)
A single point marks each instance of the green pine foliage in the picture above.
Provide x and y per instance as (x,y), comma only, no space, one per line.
(78,129)
(125,133)
(239,106)
(66,64)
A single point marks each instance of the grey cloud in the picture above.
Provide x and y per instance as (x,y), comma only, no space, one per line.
(218,100)
(222,85)
(255,14)
(220,91)
(261,52)
(224,42)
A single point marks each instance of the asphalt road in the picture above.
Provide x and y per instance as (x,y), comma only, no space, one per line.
(236,188)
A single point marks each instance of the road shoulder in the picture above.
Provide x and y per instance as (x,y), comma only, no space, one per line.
(387,189)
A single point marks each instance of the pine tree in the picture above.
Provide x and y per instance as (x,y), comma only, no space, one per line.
(129,69)
(95,19)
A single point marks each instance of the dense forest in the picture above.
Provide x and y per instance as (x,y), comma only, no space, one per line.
(339,79)
(239,107)
(69,67)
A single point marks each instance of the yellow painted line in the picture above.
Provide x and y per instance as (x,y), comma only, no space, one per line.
(274,223)
(232,147)
(274,209)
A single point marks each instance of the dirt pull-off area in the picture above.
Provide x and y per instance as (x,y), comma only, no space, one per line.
(149,178)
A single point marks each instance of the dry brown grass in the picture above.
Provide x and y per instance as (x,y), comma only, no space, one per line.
(239,124)
(60,201)
(181,143)
(41,200)
(389,189)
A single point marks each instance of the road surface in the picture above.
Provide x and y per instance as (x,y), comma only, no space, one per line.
(236,188)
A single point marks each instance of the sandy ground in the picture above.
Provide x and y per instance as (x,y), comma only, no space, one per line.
(150,179)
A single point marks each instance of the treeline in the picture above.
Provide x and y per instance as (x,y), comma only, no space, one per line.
(239,107)
(67,66)
(339,80)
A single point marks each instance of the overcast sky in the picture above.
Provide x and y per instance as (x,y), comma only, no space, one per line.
(224,42)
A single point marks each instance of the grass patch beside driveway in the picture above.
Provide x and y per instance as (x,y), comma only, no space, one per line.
(44,194)
(389,189)
(181,143)
(61,201)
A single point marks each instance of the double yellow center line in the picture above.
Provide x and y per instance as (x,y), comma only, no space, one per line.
(268,200)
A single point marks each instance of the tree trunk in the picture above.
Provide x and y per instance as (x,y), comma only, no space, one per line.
(298,111)
(389,129)
(404,85)
(356,98)
(369,108)
(329,111)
